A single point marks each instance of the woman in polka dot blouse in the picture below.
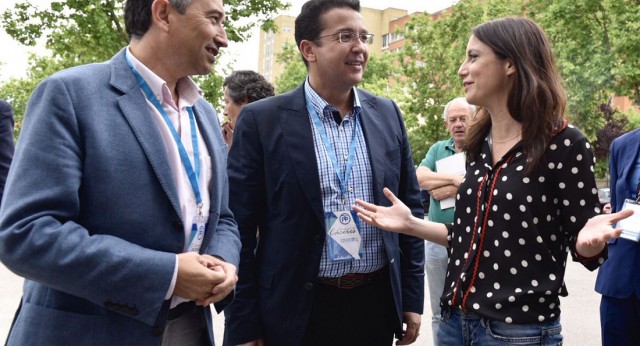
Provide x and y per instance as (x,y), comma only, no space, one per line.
(528,198)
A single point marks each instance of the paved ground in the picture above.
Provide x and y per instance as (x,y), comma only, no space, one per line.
(579,311)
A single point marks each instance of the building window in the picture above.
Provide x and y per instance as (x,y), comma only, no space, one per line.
(269,55)
(394,36)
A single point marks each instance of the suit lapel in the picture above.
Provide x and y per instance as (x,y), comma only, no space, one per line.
(373,131)
(136,111)
(298,138)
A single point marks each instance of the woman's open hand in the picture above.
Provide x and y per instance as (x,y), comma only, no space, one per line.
(396,218)
(597,231)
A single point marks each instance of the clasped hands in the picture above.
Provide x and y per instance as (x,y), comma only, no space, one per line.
(203,278)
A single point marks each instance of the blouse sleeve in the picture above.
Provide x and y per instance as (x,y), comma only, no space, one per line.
(576,190)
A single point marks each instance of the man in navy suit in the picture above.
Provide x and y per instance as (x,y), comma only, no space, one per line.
(6,142)
(116,207)
(619,277)
(310,272)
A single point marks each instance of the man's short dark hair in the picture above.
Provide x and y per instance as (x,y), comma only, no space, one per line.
(247,85)
(308,23)
(137,15)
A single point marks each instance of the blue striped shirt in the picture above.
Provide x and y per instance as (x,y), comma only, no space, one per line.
(359,185)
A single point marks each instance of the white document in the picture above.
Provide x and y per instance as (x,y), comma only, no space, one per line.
(631,225)
(454,164)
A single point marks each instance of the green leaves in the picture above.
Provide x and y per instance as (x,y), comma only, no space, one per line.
(258,11)
(598,54)
(294,69)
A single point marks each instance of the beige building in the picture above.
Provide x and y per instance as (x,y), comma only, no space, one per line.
(381,23)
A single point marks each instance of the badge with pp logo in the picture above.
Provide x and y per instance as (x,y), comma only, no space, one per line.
(344,242)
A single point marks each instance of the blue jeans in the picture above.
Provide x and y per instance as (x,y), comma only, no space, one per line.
(436,267)
(466,328)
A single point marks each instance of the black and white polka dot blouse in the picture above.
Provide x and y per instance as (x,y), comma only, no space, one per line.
(511,233)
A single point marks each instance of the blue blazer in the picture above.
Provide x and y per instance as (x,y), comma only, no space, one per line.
(619,276)
(91,217)
(6,142)
(275,187)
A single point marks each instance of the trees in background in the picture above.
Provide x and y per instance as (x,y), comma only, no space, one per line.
(598,55)
(295,71)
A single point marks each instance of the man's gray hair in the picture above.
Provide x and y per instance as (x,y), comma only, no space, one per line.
(472,108)
(180,5)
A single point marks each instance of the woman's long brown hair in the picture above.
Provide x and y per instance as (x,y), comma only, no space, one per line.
(537,99)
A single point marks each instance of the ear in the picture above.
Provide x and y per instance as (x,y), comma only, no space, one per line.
(160,10)
(509,67)
(307,50)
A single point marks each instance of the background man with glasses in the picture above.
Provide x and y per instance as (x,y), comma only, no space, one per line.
(317,276)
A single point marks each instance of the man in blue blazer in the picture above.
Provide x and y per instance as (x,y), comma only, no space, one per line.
(619,277)
(116,207)
(309,275)
(6,142)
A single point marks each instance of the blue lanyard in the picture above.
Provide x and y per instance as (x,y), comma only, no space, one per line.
(184,157)
(329,148)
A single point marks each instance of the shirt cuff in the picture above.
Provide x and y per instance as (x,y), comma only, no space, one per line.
(173,281)
(592,262)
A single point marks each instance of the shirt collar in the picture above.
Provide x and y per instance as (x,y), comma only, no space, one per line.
(187,89)
(451,145)
(319,104)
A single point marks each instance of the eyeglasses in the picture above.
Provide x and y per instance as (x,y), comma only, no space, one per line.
(349,36)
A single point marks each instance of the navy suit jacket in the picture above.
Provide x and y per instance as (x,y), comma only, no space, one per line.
(91,217)
(6,142)
(275,187)
(619,276)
